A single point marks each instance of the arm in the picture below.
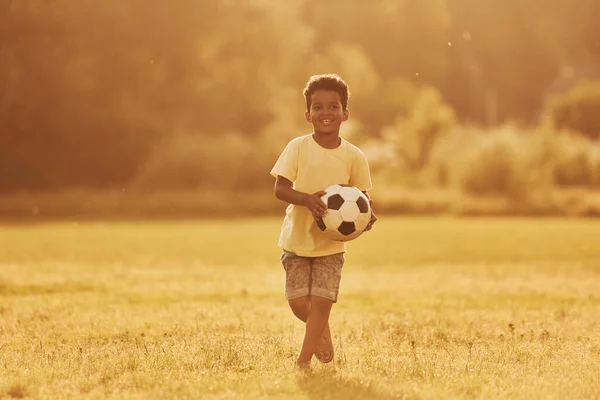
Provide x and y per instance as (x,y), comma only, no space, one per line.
(373,217)
(284,191)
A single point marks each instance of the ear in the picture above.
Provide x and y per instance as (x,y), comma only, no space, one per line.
(307,116)
(345,115)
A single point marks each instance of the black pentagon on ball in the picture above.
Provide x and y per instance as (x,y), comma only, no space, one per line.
(363,205)
(347,228)
(335,202)
(321,224)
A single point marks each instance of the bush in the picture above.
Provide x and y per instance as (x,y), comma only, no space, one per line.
(506,161)
(516,163)
(576,161)
(495,165)
(447,155)
(577,109)
(232,162)
(415,135)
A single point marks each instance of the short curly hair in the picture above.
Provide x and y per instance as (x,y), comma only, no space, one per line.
(326,82)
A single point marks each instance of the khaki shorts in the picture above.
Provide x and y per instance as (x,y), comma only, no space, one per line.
(316,276)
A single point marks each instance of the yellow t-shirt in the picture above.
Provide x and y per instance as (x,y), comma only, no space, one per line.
(313,168)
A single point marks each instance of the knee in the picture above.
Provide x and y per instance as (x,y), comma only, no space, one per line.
(300,304)
(321,304)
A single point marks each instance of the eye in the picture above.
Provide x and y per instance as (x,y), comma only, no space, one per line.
(316,108)
(335,107)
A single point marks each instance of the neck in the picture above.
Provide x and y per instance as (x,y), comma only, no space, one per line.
(328,141)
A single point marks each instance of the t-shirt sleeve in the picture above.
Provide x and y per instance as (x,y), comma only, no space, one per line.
(360,173)
(287,163)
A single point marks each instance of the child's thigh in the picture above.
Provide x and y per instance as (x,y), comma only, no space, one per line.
(297,274)
(326,275)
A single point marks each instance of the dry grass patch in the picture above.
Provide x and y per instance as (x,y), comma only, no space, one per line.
(429,308)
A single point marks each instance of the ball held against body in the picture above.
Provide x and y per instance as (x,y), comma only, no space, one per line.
(348,213)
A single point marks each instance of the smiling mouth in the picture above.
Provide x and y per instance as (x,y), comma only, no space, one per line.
(326,121)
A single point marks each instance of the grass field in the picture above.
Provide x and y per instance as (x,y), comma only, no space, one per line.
(429,308)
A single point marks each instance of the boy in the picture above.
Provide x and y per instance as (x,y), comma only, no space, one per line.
(308,165)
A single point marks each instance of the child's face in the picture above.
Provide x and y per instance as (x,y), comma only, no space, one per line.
(326,114)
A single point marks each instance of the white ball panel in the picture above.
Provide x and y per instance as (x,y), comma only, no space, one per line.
(332,219)
(350,193)
(333,189)
(362,221)
(349,211)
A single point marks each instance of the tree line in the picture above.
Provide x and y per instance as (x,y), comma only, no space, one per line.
(91,92)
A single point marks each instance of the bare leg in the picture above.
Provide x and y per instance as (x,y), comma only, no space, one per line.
(318,316)
(301,307)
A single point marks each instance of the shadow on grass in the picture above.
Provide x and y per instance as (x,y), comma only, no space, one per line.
(327,385)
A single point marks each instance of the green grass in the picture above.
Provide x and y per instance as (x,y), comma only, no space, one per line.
(429,308)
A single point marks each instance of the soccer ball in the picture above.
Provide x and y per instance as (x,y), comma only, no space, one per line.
(348,213)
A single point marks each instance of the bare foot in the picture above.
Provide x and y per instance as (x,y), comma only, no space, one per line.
(324,351)
(303,365)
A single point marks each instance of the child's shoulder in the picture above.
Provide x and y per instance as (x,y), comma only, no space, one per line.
(298,141)
(301,138)
(353,148)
